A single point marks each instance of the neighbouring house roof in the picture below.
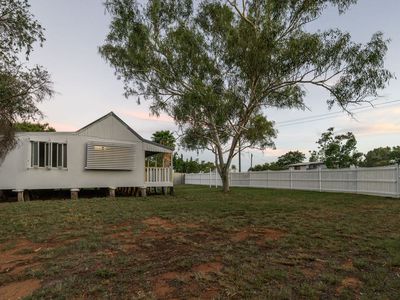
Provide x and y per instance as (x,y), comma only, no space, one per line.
(151,143)
(307,164)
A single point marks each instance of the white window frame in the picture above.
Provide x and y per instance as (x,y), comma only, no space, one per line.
(48,155)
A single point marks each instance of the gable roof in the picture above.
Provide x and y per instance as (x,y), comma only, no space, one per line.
(112,114)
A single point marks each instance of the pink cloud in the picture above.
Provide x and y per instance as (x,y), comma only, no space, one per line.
(63,127)
(142,115)
(377,129)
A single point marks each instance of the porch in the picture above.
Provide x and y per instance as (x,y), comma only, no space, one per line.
(158,177)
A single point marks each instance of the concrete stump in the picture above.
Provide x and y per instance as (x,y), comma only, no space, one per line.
(143,192)
(74,194)
(164,190)
(20,196)
(171,191)
(111,193)
(27,197)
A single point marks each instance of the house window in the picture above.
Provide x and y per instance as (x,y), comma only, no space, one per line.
(50,155)
(110,156)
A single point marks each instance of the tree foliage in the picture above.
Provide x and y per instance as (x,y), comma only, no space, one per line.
(33,127)
(215,66)
(191,166)
(164,137)
(283,162)
(337,151)
(382,156)
(21,87)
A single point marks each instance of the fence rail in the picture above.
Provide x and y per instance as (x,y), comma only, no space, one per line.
(381,181)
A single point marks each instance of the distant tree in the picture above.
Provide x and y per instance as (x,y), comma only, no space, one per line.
(21,87)
(283,162)
(33,127)
(215,65)
(164,137)
(382,156)
(259,167)
(395,155)
(191,166)
(338,151)
(289,158)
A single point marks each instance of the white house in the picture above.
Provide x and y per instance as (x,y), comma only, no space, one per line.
(107,153)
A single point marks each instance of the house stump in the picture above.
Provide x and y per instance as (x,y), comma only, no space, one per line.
(111,193)
(20,195)
(74,194)
(27,196)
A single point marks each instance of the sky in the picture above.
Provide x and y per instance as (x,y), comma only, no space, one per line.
(86,87)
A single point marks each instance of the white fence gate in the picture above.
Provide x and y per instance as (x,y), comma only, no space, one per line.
(381,181)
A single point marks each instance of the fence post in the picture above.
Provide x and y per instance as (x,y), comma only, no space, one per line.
(209,178)
(250,185)
(291,179)
(356,180)
(398,181)
(320,179)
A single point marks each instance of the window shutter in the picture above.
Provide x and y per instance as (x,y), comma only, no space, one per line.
(110,156)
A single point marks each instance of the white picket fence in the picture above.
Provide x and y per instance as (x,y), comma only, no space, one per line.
(382,181)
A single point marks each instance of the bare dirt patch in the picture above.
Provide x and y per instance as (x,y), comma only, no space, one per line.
(20,257)
(121,226)
(314,269)
(240,236)
(348,265)
(20,289)
(158,222)
(260,234)
(181,285)
(210,267)
(272,234)
(165,284)
(349,283)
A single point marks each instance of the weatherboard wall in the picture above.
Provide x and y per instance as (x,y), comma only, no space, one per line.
(16,171)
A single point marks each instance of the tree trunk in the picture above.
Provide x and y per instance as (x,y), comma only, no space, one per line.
(225,180)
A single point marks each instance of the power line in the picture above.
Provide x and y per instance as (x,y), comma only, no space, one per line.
(332,114)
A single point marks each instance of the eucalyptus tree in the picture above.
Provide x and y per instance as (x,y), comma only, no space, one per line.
(337,151)
(217,66)
(21,87)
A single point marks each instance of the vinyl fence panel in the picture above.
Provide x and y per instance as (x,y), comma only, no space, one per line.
(382,181)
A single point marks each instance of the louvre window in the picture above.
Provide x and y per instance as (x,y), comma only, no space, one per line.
(50,155)
(110,156)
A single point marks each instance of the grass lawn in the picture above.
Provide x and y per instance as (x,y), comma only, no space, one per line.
(201,243)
